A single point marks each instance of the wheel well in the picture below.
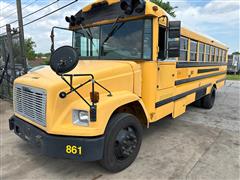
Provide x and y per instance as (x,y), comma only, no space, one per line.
(134,108)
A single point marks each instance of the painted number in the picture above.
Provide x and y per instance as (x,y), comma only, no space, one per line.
(73,149)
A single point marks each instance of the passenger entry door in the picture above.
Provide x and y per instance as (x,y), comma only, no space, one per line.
(168,42)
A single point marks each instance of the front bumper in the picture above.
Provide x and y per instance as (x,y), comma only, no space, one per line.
(58,146)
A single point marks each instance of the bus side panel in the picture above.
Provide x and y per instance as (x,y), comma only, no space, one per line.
(181,104)
(149,81)
(165,89)
(163,111)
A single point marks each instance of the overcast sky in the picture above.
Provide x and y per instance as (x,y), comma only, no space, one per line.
(219,19)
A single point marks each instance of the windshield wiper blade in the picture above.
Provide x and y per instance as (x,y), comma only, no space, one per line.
(86,32)
(115,28)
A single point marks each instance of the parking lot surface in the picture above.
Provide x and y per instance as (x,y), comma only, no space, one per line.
(201,144)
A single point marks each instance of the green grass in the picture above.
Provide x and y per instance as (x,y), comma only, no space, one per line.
(233,77)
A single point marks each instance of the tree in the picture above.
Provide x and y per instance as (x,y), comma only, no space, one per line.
(236,53)
(166,6)
(29,49)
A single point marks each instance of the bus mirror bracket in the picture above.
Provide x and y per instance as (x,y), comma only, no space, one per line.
(62,61)
(52,36)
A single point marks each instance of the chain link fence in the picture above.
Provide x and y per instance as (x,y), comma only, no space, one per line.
(11,65)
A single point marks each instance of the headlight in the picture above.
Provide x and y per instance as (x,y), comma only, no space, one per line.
(80,118)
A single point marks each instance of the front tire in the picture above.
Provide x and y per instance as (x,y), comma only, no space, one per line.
(123,139)
(208,101)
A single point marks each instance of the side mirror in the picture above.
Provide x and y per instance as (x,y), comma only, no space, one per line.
(174,35)
(174,29)
(173,49)
(64,59)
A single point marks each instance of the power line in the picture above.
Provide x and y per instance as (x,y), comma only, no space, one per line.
(7,6)
(50,13)
(33,12)
(22,9)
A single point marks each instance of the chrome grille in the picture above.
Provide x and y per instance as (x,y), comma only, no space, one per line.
(30,103)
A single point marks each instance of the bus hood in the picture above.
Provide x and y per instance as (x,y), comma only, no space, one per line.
(114,75)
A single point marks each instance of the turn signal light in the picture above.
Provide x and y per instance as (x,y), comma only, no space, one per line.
(94,97)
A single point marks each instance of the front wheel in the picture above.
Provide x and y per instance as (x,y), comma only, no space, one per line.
(123,139)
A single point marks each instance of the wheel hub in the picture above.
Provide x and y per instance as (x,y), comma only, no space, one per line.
(125,143)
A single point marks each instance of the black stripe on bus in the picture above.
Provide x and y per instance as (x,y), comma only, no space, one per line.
(198,64)
(182,81)
(180,96)
(220,80)
(207,70)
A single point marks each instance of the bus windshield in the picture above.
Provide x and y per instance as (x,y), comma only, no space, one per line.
(121,40)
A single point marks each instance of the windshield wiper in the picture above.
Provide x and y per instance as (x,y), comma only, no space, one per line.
(115,28)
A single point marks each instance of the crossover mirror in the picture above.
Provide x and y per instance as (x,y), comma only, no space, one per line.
(174,35)
(64,59)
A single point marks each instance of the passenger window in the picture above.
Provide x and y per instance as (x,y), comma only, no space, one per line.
(207,57)
(193,51)
(217,55)
(224,56)
(220,55)
(183,49)
(201,52)
(212,54)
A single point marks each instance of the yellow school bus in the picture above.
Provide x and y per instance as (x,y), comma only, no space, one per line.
(128,66)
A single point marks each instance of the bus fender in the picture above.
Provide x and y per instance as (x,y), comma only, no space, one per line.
(107,106)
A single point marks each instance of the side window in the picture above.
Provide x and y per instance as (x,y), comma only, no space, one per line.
(220,55)
(207,53)
(201,52)
(161,42)
(193,51)
(217,55)
(212,53)
(224,59)
(183,49)
(147,49)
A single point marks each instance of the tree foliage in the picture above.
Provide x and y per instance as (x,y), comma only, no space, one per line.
(236,53)
(166,6)
(29,49)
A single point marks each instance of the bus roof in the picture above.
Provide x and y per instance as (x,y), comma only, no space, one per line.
(202,38)
(186,32)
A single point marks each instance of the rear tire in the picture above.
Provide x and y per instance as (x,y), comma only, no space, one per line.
(198,103)
(123,139)
(208,101)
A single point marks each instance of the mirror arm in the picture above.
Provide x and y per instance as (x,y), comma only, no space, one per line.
(92,106)
(52,40)
(53,35)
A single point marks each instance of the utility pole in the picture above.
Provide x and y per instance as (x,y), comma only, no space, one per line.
(10,51)
(21,35)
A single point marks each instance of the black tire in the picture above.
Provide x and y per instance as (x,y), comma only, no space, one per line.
(123,138)
(198,103)
(208,101)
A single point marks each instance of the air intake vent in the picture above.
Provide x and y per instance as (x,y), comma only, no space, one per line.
(31,103)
